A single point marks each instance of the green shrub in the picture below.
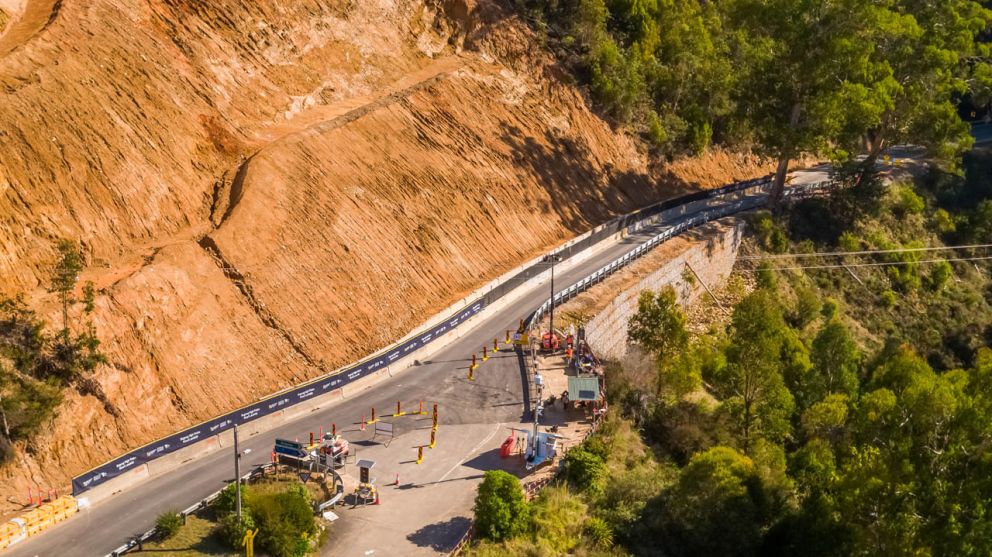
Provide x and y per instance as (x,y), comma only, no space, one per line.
(889,299)
(168,524)
(766,277)
(771,236)
(584,470)
(501,511)
(656,131)
(908,202)
(232,532)
(829,309)
(225,502)
(943,222)
(939,276)
(807,306)
(597,446)
(558,518)
(779,241)
(598,532)
(285,522)
(849,242)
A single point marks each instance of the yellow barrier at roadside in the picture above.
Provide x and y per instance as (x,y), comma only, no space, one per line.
(37,520)
(11,533)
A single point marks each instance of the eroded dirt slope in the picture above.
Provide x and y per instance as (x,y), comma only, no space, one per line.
(267,190)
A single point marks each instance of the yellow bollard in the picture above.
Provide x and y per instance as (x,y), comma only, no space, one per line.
(398,411)
(507,341)
(433,438)
(471,373)
(495,345)
(434,425)
(485,355)
(420,455)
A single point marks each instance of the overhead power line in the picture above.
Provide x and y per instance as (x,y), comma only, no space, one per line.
(877,264)
(865,252)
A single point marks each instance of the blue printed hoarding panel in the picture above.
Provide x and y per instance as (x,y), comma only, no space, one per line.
(124,464)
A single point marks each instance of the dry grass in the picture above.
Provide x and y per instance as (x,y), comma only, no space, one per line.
(195,539)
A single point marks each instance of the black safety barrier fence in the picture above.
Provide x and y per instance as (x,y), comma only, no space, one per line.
(322,385)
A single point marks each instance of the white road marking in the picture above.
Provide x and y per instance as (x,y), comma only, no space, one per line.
(472,452)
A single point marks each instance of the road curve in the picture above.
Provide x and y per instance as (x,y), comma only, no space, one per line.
(498,395)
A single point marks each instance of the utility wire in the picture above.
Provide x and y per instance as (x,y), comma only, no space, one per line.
(843,266)
(866,252)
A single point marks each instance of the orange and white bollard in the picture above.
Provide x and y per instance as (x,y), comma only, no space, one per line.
(363,422)
(334,430)
(397,479)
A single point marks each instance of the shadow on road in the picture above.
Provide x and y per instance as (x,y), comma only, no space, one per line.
(441,536)
(524,382)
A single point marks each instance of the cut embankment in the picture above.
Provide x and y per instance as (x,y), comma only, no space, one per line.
(376,193)
(21,20)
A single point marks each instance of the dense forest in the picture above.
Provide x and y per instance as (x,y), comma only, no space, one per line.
(782,77)
(845,408)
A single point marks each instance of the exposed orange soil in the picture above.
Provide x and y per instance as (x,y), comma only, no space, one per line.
(268,190)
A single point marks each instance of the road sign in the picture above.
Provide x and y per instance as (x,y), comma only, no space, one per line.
(292,449)
(291,453)
(289,444)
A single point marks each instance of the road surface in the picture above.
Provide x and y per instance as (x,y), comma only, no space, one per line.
(499,395)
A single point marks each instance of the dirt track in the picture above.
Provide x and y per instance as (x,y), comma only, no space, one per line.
(265,191)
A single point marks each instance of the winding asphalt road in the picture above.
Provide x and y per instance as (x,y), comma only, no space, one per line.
(498,395)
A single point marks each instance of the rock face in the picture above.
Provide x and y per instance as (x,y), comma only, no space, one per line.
(268,190)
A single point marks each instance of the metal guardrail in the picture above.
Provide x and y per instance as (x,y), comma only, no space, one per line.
(123,464)
(636,219)
(140,539)
(136,541)
(700,218)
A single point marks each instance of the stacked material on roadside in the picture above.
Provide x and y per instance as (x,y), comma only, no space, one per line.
(37,520)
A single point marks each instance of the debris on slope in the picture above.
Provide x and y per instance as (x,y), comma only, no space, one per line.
(266,191)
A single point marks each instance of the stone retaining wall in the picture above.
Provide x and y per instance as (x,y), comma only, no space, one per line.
(712,258)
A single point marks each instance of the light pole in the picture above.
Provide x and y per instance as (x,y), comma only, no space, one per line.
(552,258)
(237,474)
